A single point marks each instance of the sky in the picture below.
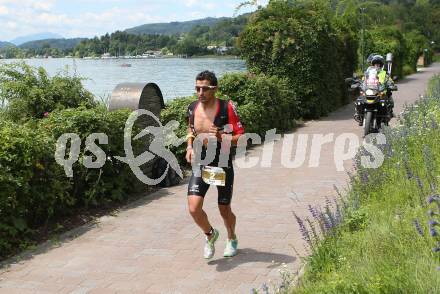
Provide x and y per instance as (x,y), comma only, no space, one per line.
(85,18)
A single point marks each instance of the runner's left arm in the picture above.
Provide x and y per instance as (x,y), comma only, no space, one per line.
(234,120)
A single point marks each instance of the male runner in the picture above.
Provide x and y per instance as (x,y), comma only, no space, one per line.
(212,118)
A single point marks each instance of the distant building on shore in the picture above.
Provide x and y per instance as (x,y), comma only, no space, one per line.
(219,49)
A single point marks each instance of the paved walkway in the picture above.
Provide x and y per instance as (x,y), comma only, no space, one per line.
(153,246)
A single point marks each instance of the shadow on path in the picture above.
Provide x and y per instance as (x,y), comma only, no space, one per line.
(247,255)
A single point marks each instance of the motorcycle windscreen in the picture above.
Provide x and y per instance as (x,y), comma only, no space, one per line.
(372,78)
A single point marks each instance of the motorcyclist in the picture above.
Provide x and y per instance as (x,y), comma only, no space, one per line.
(376,61)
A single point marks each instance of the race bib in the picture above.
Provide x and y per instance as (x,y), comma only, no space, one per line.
(213,175)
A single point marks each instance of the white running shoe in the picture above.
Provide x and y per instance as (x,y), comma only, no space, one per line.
(209,245)
(231,248)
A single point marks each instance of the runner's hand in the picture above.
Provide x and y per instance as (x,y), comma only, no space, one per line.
(214,131)
(189,155)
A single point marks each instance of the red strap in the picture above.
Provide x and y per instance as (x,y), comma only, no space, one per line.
(234,119)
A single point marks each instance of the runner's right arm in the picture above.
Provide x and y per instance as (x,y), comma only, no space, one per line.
(189,145)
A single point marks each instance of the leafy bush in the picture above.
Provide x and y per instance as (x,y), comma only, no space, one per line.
(115,179)
(263,102)
(31,93)
(32,185)
(407,70)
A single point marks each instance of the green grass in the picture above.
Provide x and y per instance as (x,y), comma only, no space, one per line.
(376,247)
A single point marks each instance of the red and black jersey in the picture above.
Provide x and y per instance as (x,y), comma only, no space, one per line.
(226,115)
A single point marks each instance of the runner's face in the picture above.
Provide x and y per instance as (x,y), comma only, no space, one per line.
(204,93)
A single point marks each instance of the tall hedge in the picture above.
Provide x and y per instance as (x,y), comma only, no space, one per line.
(32,184)
(115,179)
(263,102)
(416,45)
(298,41)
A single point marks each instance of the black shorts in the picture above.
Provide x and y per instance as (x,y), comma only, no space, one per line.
(198,187)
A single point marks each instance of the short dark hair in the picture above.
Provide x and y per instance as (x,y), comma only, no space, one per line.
(207,75)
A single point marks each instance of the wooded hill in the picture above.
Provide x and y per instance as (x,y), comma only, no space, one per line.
(175,27)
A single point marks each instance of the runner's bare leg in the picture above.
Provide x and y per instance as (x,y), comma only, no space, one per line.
(195,207)
(229,219)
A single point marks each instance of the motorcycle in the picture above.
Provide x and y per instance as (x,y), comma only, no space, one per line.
(372,105)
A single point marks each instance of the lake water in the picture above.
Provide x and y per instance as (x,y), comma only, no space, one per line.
(174,76)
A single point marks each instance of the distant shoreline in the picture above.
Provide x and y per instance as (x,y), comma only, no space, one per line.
(118,58)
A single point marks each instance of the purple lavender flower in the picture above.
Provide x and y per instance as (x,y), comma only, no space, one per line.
(434,124)
(327,223)
(337,190)
(433,198)
(313,230)
(313,212)
(338,214)
(330,217)
(303,229)
(318,216)
(433,223)
(364,177)
(328,202)
(418,227)
(433,232)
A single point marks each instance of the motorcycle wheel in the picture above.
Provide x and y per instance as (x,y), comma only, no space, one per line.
(367,123)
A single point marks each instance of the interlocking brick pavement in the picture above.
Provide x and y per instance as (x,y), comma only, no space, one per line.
(153,245)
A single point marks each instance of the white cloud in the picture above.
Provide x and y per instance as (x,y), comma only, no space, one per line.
(196,14)
(52,19)
(4,10)
(43,5)
(190,3)
(11,25)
